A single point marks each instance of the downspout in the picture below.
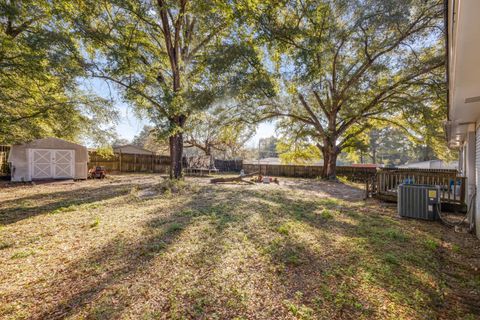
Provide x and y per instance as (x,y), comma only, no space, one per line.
(447,57)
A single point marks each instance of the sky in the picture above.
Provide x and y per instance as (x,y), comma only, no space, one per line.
(130,125)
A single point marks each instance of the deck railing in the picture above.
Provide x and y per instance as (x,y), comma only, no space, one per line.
(452,184)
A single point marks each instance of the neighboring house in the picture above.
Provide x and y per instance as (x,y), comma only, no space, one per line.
(463,132)
(430,164)
(131,149)
(49,158)
(271,160)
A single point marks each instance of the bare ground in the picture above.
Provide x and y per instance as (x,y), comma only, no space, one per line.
(128,247)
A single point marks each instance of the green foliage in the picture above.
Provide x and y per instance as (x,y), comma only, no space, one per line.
(455,248)
(423,117)
(394,145)
(343,64)
(396,235)
(174,227)
(171,59)
(298,152)
(218,132)
(40,93)
(331,70)
(167,74)
(105,152)
(300,311)
(391,258)
(149,139)
(5,245)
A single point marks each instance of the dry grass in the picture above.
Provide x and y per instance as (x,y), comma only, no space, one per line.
(128,247)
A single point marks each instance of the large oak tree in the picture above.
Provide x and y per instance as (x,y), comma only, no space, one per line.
(345,62)
(218,132)
(169,58)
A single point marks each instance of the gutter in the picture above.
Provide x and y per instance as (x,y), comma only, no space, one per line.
(447,56)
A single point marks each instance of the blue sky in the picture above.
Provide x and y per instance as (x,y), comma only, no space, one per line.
(130,124)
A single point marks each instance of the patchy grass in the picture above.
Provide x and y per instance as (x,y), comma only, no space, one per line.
(431,244)
(23,254)
(142,247)
(95,223)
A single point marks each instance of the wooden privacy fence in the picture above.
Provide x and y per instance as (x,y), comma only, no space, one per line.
(228,165)
(121,162)
(4,165)
(358,174)
(386,182)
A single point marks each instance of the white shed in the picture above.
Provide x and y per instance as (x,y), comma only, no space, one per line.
(49,158)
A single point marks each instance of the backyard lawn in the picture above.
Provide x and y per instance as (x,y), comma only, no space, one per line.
(130,247)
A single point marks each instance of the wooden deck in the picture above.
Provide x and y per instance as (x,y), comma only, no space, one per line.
(385,184)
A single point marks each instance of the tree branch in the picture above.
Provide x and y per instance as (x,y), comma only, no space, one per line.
(380,96)
(314,118)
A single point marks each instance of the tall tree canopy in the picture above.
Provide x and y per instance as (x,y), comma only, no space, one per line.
(170,59)
(40,92)
(343,63)
(217,132)
(149,139)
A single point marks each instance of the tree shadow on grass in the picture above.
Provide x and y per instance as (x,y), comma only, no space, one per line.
(322,268)
(334,189)
(375,251)
(122,259)
(19,209)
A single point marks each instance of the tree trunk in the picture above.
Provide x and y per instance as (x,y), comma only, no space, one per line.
(326,157)
(176,150)
(331,167)
(330,153)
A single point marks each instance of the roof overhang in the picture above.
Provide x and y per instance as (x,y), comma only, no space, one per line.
(457,132)
(464,68)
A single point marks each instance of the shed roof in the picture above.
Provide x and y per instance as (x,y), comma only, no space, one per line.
(50,143)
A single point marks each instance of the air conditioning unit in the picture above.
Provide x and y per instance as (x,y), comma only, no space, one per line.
(419,201)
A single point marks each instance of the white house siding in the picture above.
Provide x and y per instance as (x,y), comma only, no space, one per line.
(477,178)
(470,169)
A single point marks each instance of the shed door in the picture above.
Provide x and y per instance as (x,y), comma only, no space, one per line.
(41,164)
(56,164)
(62,164)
